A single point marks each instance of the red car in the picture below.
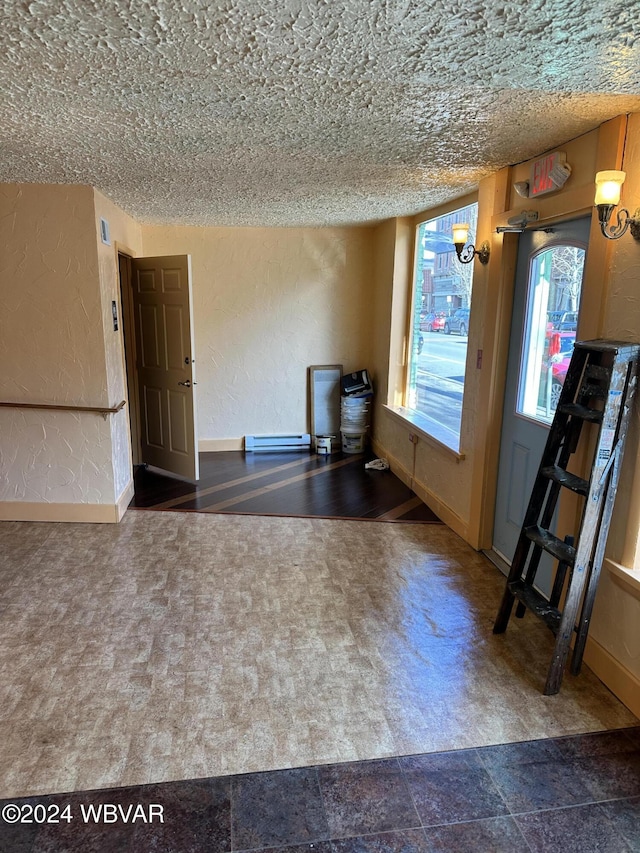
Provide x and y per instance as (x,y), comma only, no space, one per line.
(433,322)
(560,347)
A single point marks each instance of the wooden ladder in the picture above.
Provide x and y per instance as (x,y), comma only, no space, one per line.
(598,390)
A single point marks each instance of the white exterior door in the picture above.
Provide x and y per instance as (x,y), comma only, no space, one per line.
(543,330)
(164,361)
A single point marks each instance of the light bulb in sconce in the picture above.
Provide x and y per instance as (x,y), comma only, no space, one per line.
(608,190)
(466,253)
(608,187)
(461,232)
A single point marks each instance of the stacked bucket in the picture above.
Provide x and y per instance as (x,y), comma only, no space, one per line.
(354,423)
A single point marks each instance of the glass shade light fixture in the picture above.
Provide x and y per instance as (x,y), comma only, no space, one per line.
(608,186)
(467,252)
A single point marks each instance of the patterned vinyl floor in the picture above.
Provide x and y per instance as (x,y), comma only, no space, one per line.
(291,683)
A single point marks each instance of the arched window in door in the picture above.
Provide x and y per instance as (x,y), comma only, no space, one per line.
(551,319)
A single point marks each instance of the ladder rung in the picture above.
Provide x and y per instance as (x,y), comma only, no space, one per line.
(597,371)
(536,603)
(592,415)
(569,481)
(550,543)
(595,392)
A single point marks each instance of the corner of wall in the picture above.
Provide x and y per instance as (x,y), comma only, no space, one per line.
(123,231)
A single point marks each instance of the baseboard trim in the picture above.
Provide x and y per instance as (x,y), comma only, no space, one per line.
(620,681)
(84,513)
(125,499)
(215,445)
(396,466)
(444,513)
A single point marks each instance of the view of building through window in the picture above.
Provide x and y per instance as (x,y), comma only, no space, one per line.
(553,301)
(439,326)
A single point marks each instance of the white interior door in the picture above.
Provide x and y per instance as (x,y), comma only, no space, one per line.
(543,330)
(164,361)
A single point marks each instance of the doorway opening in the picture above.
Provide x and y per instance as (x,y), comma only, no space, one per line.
(128,334)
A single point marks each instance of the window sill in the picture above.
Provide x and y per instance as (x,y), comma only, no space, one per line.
(429,430)
(628,578)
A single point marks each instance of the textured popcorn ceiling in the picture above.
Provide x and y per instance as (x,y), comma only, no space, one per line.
(301,111)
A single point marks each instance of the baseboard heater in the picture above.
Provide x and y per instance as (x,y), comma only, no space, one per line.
(279,443)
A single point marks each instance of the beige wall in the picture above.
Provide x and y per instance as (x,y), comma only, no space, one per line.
(393,254)
(268,303)
(616,619)
(384,243)
(125,235)
(55,290)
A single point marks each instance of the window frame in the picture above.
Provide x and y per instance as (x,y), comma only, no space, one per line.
(430,429)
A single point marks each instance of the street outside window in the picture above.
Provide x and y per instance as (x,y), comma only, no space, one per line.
(441,310)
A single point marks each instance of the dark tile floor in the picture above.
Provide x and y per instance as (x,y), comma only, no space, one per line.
(567,794)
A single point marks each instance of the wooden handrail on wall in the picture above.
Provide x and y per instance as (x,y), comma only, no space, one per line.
(59,407)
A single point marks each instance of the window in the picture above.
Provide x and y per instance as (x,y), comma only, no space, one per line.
(439,325)
(553,299)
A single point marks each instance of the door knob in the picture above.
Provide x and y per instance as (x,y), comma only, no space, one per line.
(187,383)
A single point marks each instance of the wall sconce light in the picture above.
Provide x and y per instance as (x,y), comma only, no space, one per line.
(608,185)
(466,253)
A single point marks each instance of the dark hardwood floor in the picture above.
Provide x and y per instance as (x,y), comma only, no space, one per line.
(291,484)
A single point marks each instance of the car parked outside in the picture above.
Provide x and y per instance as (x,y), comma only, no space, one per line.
(559,349)
(555,318)
(459,322)
(563,321)
(433,322)
(569,322)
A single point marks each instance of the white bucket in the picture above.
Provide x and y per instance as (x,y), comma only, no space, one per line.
(353,442)
(323,444)
(354,406)
(354,414)
(360,418)
(355,402)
